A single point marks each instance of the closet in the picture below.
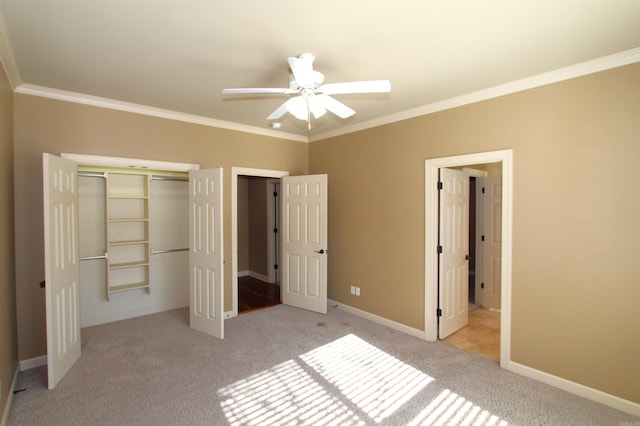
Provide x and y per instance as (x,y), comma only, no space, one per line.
(133,241)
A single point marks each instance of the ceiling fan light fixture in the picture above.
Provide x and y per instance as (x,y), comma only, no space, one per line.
(298,108)
(315,106)
(312,95)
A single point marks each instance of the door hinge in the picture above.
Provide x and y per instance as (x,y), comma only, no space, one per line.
(275,230)
(482,285)
(275,193)
(439,186)
(483,189)
(275,266)
(439,312)
(482,238)
(439,249)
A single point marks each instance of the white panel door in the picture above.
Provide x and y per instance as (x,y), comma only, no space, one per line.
(206,302)
(62,272)
(492,243)
(453,258)
(304,242)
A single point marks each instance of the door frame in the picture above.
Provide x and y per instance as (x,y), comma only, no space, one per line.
(432,170)
(273,222)
(235,172)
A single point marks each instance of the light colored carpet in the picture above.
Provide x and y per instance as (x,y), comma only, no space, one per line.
(287,366)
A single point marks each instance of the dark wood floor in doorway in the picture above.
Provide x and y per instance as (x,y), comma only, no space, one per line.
(255,294)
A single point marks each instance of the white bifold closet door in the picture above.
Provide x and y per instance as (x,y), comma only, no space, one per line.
(62,229)
(62,276)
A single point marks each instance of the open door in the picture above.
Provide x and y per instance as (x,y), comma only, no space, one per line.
(453,247)
(304,242)
(206,297)
(62,272)
(492,241)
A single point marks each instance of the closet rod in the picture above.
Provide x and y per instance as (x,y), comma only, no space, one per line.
(164,177)
(153,251)
(92,174)
(104,256)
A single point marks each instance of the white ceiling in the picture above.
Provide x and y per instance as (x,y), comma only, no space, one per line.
(177,55)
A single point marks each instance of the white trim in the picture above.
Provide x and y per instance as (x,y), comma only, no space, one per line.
(235,172)
(259,276)
(28,364)
(273,221)
(377,319)
(596,395)
(4,420)
(104,161)
(566,73)
(244,273)
(432,167)
(471,172)
(589,67)
(79,98)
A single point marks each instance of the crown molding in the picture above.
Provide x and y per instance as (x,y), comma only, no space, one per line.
(64,95)
(561,74)
(7,58)
(566,73)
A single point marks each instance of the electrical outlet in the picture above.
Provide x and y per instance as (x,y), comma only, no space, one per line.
(355,290)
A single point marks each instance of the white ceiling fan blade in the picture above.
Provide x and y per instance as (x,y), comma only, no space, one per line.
(280,111)
(336,107)
(302,69)
(256,91)
(372,86)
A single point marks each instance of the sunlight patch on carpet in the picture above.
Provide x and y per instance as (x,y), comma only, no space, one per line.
(284,394)
(449,408)
(375,381)
(339,383)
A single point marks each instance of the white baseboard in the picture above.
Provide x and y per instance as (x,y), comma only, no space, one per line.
(575,388)
(28,364)
(253,274)
(259,276)
(4,420)
(378,320)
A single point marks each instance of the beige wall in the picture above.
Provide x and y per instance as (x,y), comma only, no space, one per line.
(8,339)
(576,230)
(45,125)
(243,223)
(252,224)
(258,225)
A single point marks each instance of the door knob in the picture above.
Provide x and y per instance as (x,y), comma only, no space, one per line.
(321,251)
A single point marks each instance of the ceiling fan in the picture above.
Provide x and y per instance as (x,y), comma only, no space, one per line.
(311,96)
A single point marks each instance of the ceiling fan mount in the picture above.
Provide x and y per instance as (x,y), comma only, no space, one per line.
(310,94)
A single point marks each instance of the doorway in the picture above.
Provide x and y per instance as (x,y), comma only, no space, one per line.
(258,223)
(479,333)
(238,177)
(432,172)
